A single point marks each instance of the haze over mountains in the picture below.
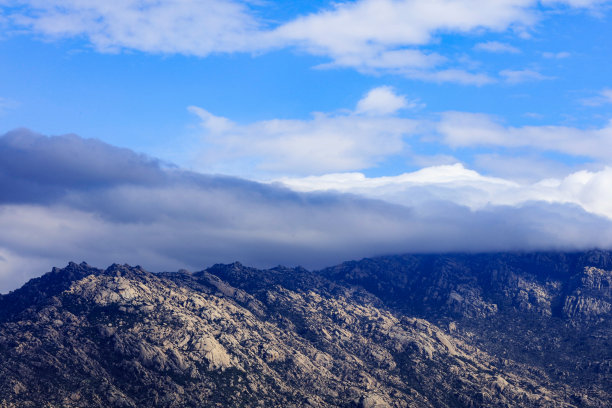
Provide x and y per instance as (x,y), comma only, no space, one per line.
(66,195)
(488,330)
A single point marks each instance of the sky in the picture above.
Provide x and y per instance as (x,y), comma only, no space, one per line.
(182,133)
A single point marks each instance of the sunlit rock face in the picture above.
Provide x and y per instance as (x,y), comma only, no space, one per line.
(497,330)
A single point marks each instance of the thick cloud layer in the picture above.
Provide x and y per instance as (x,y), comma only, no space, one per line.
(39,169)
(67,198)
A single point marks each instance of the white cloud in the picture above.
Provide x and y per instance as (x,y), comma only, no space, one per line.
(382,101)
(410,63)
(458,76)
(495,46)
(452,183)
(401,61)
(522,75)
(373,133)
(556,55)
(607,94)
(604,97)
(460,129)
(370,36)
(192,27)
(374,35)
(456,175)
(589,190)
(575,3)
(56,207)
(328,142)
(533,115)
(355,26)
(6,105)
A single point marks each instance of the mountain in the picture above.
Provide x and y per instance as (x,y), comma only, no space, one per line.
(453,330)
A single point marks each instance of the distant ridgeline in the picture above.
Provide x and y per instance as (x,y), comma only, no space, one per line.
(458,330)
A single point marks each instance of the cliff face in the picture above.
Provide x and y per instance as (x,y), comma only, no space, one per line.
(425,331)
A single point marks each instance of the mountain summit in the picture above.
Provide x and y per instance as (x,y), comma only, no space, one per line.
(489,330)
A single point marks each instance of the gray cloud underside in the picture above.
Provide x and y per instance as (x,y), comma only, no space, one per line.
(67,198)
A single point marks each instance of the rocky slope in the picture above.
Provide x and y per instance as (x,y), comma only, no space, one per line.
(497,330)
(548,310)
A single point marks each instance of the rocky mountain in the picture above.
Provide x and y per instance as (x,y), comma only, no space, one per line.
(458,330)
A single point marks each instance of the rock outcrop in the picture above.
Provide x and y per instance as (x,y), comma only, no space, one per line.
(413,331)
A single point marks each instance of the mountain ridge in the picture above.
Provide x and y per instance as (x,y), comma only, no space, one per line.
(408,330)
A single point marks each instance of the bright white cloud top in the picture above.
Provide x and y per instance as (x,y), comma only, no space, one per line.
(455,183)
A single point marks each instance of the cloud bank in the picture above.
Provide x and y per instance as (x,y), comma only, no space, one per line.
(67,198)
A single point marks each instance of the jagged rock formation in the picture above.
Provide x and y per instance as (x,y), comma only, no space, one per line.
(409,331)
(549,311)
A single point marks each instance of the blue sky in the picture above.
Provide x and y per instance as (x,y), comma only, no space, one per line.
(473,103)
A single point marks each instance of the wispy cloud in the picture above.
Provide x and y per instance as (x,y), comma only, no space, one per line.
(470,129)
(522,75)
(383,101)
(575,3)
(604,97)
(190,27)
(458,76)
(557,55)
(498,47)
(6,105)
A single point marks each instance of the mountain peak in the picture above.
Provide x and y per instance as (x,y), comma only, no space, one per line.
(418,330)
